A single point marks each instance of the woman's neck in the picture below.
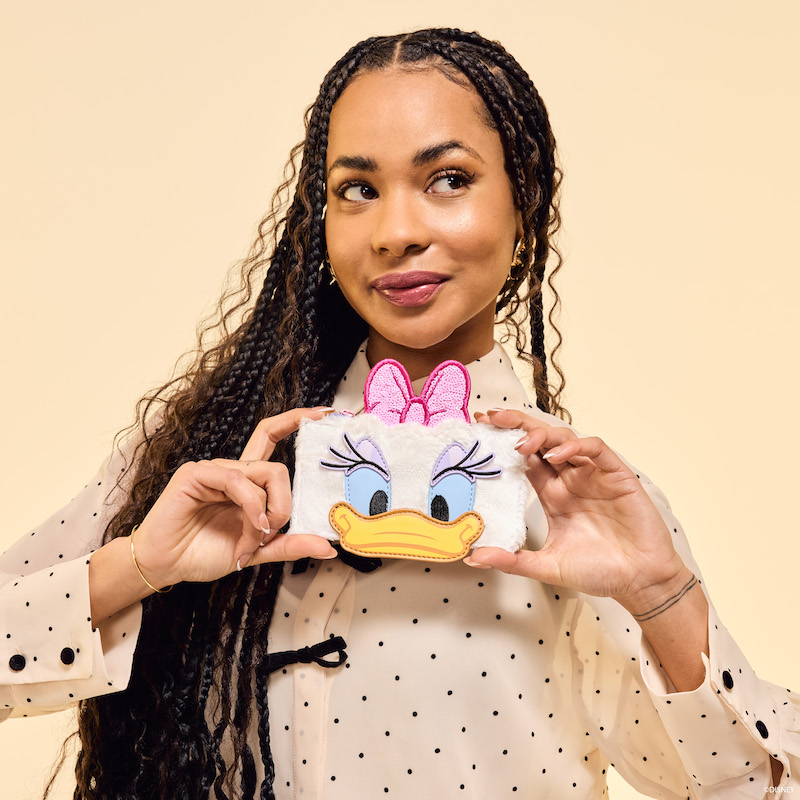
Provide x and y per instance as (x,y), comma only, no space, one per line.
(419,363)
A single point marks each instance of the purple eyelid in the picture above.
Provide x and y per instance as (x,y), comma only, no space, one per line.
(365,454)
(449,463)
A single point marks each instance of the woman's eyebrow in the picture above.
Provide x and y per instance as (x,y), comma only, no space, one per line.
(361,163)
(421,157)
(438,150)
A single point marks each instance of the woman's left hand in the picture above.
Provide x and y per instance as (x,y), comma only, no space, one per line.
(605,535)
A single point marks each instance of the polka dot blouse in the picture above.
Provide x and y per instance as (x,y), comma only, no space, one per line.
(458,682)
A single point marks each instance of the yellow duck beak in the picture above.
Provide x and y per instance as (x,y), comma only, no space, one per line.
(405,533)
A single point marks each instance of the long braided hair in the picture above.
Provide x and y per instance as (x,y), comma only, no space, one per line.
(200,671)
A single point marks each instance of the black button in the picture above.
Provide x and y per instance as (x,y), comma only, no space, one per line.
(762,729)
(67,655)
(727,679)
(17,663)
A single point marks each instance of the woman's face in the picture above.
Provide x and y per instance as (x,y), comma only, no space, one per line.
(421,223)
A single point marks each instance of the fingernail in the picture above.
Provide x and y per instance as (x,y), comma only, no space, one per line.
(550,454)
(332,554)
(243,561)
(263,523)
(475,564)
(521,441)
(489,411)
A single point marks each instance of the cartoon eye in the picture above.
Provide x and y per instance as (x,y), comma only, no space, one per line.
(452,489)
(366,475)
(367,491)
(451,497)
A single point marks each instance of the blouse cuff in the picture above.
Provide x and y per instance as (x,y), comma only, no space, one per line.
(50,656)
(728,725)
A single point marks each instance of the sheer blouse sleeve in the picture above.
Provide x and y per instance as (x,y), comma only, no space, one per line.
(50,655)
(714,742)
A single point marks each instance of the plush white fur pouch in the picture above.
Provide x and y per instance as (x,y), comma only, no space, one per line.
(398,482)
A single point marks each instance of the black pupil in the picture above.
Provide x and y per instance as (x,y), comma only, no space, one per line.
(439,508)
(379,502)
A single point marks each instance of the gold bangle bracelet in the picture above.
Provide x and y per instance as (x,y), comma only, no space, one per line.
(139,569)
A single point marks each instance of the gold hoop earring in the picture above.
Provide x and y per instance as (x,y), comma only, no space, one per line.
(517,262)
(326,263)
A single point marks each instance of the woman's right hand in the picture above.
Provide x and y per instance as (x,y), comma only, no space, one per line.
(216,516)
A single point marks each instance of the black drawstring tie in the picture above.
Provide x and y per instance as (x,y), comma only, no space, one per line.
(315,653)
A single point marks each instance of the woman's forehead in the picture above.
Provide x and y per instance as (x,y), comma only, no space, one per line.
(398,111)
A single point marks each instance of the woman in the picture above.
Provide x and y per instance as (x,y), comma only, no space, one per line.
(428,168)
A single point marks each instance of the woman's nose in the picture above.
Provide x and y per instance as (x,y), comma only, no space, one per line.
(401,226)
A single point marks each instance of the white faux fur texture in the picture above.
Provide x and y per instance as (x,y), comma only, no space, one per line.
(411,453)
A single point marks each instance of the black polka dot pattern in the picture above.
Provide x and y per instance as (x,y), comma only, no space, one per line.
(727,679)
(50,647)
(395,680)
(458,683)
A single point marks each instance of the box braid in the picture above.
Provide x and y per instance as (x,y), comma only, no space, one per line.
(201,667)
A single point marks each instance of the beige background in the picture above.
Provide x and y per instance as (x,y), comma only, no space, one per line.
(141,143)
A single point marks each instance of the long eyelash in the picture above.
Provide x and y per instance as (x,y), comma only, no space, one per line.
(456,172)
(466,177)
(470,470)
(339,191)
(350,462)
(452,172)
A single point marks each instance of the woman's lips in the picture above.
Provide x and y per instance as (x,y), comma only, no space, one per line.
(410,288)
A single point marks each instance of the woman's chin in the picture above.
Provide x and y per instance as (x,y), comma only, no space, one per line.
(442,330)
(414,335)
(426,339)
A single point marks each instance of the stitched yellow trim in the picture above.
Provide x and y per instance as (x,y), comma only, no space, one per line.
(420,537)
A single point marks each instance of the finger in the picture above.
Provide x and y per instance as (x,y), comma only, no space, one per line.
(252,499)
(539,472)
(537,438)
(538,435)
(535,445)
(271,430)
(290,548)
(535,564)
(513,418)
(273,515)
(590,449)
(236,486)
(274,479)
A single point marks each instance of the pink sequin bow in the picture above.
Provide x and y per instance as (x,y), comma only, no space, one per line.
(388,394)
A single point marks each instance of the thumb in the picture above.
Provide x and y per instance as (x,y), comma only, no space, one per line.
(536,564)
(283,547)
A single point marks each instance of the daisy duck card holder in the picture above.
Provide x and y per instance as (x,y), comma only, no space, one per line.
(411,477)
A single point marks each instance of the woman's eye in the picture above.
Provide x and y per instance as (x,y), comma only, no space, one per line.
(358,192)
(449,183)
